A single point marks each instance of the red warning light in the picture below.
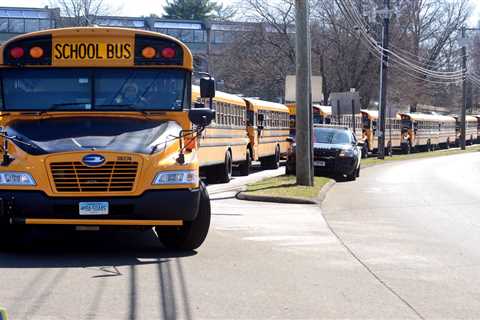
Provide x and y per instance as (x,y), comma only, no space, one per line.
(17,52)
(169,53)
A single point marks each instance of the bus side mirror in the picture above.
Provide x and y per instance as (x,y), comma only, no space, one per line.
(207,87)
(201,116)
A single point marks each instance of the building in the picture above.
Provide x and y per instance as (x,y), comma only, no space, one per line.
(203,38)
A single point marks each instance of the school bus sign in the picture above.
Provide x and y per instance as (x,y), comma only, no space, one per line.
(92,52)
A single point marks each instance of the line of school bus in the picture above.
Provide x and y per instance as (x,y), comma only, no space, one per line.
(98,131)
(101,128)
(407,132)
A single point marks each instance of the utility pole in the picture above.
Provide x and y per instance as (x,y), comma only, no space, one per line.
(385,13)
(463,116)
(304,145)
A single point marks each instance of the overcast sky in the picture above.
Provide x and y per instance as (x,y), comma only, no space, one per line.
(146,7)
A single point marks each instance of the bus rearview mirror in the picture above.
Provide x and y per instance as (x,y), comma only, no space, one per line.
(207,87)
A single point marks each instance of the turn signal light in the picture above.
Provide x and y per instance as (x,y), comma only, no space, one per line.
(168,53)
(149,52)
(36,52)
(17,52)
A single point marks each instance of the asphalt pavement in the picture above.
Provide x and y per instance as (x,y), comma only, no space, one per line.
(404,245)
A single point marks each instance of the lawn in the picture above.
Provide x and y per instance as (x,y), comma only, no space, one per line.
(285,186)
(440,153)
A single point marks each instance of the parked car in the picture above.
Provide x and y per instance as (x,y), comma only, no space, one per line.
(336,152)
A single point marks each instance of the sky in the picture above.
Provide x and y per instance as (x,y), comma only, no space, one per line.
(146,7)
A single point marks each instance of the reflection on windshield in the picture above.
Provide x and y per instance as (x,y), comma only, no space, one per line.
(331,136)
(109,89)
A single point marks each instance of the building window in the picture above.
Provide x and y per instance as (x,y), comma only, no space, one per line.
(32,25)
(16,25)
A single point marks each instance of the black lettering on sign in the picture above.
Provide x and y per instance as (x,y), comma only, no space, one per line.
(128,52)
(92,51)
(110,51)
(58,51)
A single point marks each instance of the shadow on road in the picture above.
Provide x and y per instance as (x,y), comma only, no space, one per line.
(104,255)
(90,249)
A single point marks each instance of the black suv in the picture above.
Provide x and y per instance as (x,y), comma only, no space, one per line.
(336,152)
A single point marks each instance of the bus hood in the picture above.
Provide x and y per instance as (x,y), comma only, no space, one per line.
(87,133)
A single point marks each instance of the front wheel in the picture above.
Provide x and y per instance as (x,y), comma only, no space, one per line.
(245,166)
(224,173)
(272,162)
(192,234)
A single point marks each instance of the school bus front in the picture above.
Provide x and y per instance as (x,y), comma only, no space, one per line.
(96,131)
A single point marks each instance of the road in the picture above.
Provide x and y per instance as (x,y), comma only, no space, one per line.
(404,245)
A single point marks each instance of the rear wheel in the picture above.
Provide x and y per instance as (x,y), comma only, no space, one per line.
(245,165)
(192,234)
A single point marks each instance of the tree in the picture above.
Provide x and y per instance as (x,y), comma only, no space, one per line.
(80,12)
(192,9)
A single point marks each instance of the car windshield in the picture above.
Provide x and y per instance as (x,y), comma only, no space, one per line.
(331,136)
(87,89)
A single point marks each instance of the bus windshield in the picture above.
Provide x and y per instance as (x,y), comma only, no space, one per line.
(93,89)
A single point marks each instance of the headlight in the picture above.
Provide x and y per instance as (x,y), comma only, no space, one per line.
(176,177)
(16,179)
(346,153)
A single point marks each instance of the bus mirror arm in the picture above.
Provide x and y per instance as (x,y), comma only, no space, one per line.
(7,158)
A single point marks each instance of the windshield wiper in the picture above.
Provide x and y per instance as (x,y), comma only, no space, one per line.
(56,106)
(128,106)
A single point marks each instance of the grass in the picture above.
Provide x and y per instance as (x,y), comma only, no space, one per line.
(421,155)
(285,186)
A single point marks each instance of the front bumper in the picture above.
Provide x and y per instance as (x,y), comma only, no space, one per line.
(338,165)
(153,205)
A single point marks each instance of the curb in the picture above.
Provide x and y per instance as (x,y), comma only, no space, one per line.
(324,191)
(321,196)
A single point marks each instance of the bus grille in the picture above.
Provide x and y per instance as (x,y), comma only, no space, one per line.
(113,176)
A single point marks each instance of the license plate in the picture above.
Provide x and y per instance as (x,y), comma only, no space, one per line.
(93,208)
(319,163)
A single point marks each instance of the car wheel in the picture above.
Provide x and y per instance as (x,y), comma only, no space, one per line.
(192,234)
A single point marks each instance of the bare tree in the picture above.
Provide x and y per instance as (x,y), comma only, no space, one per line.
(81,12)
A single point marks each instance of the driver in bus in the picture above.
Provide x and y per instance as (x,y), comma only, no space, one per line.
(130,95)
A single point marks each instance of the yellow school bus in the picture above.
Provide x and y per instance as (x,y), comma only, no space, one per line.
(425,131)
(370,121)
(268,131)
(97,132)
(225,142)
(471,127)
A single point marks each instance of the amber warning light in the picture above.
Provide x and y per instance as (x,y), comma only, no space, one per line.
(36,52)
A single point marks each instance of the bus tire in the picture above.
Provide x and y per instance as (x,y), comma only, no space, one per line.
(272,162)
(407,148)
(365,150)
(245,166)
(192,234)
(12,237)
(224,171)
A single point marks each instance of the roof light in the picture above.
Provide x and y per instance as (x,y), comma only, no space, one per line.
(17,52)
(169,53)
(36,52)
(149,52)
